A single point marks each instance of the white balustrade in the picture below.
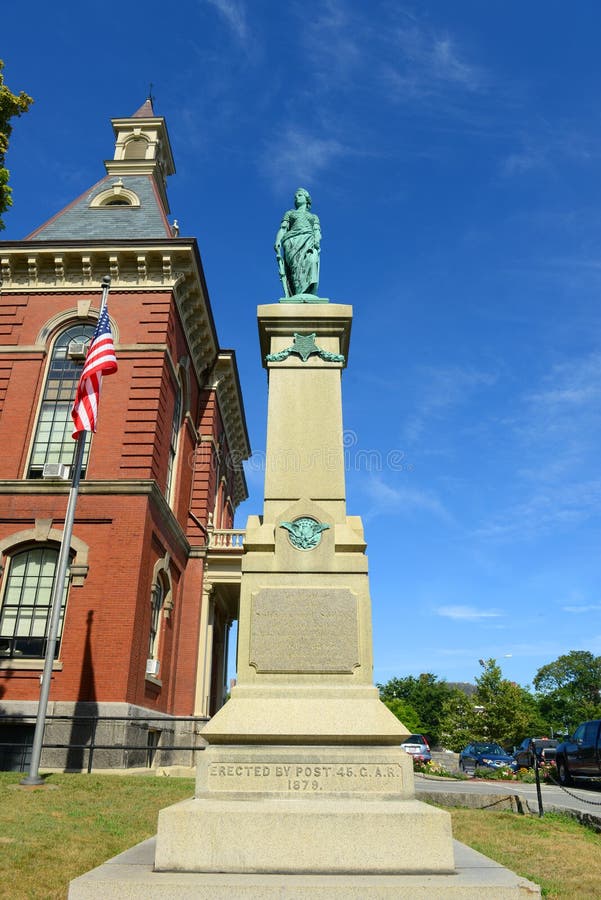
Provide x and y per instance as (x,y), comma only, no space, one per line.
(226,538)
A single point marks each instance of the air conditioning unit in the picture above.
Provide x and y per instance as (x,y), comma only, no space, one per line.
(56,470)
(153,666)
(77,351)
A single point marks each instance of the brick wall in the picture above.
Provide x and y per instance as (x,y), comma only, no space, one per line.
(106,629)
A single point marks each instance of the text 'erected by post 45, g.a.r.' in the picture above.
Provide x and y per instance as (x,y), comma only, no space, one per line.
(305,778)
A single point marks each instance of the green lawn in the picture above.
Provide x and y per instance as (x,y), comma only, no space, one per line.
(51,835)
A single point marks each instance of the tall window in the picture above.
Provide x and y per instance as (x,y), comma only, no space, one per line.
(173,440)
(25,610)
(136,148)
(156,603)
(53,442)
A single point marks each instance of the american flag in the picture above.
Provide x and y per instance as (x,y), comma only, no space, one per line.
(100,360)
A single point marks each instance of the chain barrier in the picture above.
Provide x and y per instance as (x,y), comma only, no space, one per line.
(572,794)
(517,783)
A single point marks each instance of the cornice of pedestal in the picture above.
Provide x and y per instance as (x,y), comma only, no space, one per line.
(282,320)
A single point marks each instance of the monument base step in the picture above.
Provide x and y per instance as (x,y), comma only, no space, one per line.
(298,836)
(130,876)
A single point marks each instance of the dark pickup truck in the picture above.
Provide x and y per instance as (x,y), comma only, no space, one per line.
(580,755)
(542,746)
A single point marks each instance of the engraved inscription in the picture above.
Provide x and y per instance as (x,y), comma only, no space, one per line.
(305,778)
(304,630)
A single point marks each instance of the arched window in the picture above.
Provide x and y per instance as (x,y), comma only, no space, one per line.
(173,442)
(53,442)
(157,601)
(136,148)
(25,609)
(116,195)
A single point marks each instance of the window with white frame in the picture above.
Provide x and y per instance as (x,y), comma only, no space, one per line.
(173,442)
(26,598)
(157,600)
(53,442)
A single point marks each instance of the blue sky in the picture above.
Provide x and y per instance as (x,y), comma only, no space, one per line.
(453,153)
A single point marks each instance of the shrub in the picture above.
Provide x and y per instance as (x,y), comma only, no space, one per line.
(435,769)
(502,774)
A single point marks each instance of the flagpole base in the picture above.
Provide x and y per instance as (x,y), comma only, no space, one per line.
(33,781)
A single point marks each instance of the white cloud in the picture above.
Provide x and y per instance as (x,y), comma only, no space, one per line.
(428,63)
(396,54)
(385,498)
(234,13)
(520,162)
(302,157)
(556,427)
(547,146)
(440,389)
(553,507)
(575,383)
(333,41)
(467,613)
(591,607)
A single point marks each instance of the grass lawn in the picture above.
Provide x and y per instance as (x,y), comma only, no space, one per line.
(49,836)
(556,852)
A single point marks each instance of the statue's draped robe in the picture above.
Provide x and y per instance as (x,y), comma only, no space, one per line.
(300,248)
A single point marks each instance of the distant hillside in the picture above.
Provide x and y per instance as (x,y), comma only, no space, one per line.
(464,686)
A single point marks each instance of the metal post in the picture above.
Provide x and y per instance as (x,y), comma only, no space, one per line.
(58,587)
(92,745)
(539,795)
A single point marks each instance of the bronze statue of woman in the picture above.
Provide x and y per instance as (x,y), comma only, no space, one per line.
(297,247)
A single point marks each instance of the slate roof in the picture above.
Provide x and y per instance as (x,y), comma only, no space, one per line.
(145,111)
(77,221)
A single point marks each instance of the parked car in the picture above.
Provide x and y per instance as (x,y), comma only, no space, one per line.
(484,755)
(543,747)
(418,747)
(580,755)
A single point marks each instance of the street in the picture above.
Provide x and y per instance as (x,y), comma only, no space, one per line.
(585,797)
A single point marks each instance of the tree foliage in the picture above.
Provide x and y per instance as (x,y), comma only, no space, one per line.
(458,724)
(425,695)
(497,710)
(569,689)
(505,711)
(404,713)
(11,105)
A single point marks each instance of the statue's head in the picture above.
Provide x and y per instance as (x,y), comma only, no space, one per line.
(303,193)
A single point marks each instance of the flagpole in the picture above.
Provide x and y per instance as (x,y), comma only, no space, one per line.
(56,600)
(56,603)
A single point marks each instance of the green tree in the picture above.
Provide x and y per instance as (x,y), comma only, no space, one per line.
(459,721)
(425,694)
(505,711)
(11,105)
(404,712)
(499,710)
(569,689)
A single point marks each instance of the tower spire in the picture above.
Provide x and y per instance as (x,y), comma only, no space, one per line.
(147,109)
(142,147)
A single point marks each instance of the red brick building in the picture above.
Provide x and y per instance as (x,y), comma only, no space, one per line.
(154,565)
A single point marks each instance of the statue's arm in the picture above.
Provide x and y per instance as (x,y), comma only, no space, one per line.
(316,233)
(281,232)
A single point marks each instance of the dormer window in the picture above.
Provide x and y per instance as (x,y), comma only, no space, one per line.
(117,195)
